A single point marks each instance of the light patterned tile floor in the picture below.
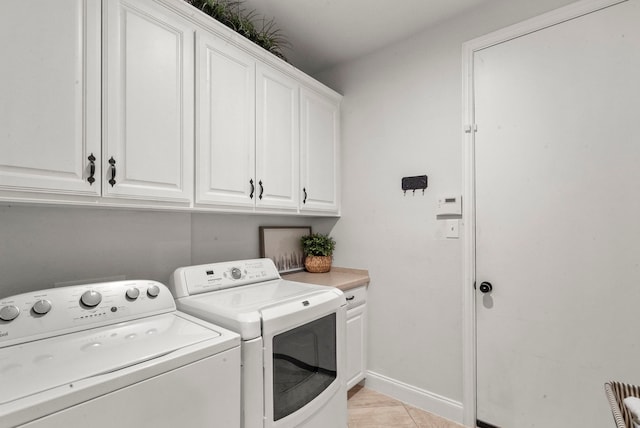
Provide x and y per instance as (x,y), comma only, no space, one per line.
(370,409)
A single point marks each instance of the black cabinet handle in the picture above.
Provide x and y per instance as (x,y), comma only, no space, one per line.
(253,188)
(304,189)
(261,189)
(112,162)
(350,298)
(92,169)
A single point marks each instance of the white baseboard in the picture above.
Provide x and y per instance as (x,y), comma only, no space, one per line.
(420,398)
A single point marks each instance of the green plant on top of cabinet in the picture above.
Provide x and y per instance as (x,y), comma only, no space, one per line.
(50,102)
(245,22)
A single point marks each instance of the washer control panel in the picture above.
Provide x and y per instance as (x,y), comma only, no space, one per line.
(191,280)
(45,313)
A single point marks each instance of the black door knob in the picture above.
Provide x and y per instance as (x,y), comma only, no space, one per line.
(486,287)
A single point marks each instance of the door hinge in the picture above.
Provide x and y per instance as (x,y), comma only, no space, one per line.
(469,128)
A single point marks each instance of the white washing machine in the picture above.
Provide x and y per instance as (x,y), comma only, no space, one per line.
(293,340)
(114,354)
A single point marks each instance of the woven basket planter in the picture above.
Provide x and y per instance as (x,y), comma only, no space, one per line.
(317,264)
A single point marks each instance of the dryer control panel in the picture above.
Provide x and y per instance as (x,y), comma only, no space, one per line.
(45,313)
(190,280)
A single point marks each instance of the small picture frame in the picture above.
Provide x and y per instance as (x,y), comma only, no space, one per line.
(282,245)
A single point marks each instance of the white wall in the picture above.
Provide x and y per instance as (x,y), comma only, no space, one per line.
(401,116)
(225,237)
(41,246)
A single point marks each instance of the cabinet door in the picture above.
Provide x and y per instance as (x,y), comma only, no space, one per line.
(356,344)
(319,147)
(225,126)
(50,95)
(277,139)
(148,105)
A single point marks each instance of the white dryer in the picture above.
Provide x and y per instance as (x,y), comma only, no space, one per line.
(293,340)
(114,354)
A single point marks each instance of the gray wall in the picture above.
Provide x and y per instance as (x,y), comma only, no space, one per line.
(41,246)
(401,116)
(224,237)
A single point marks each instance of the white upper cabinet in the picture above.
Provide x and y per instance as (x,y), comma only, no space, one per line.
(225,124)
(148,102)
(50,96)
(319,148)
(277,139)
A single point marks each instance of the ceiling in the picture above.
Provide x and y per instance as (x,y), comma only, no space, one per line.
(323,33)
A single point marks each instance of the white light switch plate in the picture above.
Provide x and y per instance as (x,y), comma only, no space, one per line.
(453,229)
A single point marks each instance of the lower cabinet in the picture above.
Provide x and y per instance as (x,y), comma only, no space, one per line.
(356,335)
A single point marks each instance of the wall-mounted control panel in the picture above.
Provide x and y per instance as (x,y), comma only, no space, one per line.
(449,205)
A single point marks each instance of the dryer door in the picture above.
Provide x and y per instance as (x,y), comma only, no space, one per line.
(304,364)
(304,360)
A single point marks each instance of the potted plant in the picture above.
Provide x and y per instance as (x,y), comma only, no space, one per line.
(247,23)
(318,249)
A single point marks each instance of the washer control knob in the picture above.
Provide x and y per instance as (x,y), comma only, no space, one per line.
(91,298)
(153,291)
(236,273)
(41,307)
(132,293)
(9,313)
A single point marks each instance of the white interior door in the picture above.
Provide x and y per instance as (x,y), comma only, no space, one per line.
(557,220)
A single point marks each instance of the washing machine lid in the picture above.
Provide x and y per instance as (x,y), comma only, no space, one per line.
(33,367)
(239,308)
